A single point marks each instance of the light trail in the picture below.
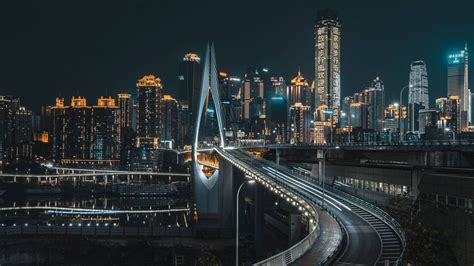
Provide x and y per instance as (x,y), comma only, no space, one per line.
(317,190)
(66,210)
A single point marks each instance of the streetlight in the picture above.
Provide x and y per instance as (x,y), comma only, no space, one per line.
(324,173)
(400,111)
(250,181)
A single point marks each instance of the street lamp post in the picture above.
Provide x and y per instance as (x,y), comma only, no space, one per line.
(324,174)
(237,221)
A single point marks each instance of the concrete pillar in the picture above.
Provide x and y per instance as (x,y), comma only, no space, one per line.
(320,171)
(277,155)
(416,175)
(294,235)
(226,194)
(259,220)
(315,172)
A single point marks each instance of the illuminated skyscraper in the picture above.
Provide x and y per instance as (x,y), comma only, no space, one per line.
(169,120)
(125,105)
(418,89)
(327,61)
(148,123)
(253,109)
(75,130)
(458,83)
(190,75)
(418,97)
(279,85)
(105,131)
(374,98)
(300,123)
(299,91)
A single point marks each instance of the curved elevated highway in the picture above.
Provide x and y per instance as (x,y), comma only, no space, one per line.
(373,237)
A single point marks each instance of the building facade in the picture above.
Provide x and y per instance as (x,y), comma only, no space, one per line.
(169,121)
(328,60)
(418,94)
(146,155)
(458,83)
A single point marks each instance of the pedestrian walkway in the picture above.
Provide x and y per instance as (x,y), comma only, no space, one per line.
(327,242)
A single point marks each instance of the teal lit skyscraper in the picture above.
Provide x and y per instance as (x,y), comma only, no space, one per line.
(458,63)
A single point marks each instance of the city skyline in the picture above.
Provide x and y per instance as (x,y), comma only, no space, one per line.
(58,77)
(236,133)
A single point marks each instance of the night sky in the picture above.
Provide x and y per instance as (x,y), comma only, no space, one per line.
(52,48)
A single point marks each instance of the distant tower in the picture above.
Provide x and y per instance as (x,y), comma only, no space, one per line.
(458,84)
(374,98)
(253,108)
(327,61)
(125,110)
(105,138)
(299,91)
(169,120)
(148,123)
(190,74)
(418,97)
(300,123)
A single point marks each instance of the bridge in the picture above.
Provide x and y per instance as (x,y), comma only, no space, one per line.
(86,175)
(373,237)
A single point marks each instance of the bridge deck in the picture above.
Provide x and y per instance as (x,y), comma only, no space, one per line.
(328,241)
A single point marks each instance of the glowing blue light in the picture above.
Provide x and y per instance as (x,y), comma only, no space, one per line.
(277,98)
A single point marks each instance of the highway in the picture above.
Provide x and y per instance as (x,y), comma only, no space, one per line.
(370,241)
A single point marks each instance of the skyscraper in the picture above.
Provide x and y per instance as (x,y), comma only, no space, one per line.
(327,61)
(418,84)
(374,98)
(300,123)
(105,131)
(253,90)
(299,91)
(77,131)
(169,120)
(279,86)
(418,97)
(458,82)
(190,75)
(148,123)
(125,106)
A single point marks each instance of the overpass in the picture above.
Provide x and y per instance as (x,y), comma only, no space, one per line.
(373,237)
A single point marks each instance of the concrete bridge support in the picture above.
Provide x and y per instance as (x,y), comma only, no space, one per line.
(259,220)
